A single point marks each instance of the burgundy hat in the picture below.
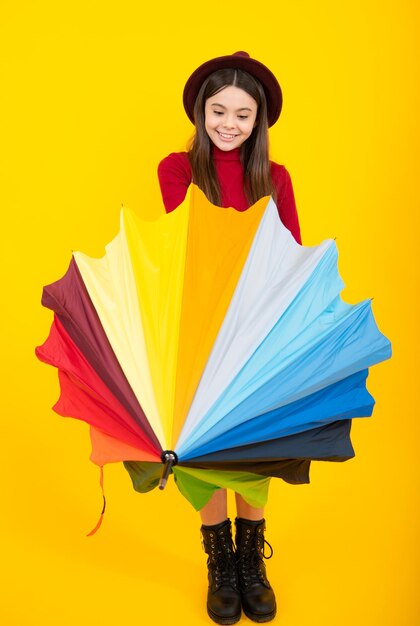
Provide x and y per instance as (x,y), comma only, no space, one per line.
(241,61)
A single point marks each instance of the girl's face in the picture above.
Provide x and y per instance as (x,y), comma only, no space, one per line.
(230,117)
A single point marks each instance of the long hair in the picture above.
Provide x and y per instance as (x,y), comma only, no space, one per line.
(254,150)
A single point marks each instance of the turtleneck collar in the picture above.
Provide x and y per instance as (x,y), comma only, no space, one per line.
(228,155)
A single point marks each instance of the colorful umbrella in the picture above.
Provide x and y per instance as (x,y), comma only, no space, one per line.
(207,343)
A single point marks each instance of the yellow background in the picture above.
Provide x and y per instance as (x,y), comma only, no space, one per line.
(91,101)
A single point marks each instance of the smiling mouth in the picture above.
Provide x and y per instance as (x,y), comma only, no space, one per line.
(226,136)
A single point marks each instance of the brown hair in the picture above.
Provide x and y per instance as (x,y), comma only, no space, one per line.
(253,152)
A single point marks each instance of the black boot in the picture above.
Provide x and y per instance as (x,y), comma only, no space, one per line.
(258,599)
(223,598)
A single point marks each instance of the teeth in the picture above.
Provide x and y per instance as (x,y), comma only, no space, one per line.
(226,136)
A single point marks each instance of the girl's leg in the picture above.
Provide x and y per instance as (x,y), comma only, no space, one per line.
(258,598)
(223,597)
(246,511)
(215,511)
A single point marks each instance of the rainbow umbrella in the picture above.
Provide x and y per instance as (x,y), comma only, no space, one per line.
(207,343)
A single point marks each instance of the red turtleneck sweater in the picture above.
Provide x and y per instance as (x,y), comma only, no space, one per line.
(174,173)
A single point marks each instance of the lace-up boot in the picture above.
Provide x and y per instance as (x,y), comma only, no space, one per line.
(223,598)
(258,599)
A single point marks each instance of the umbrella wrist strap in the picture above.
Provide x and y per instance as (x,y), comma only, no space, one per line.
(101,482)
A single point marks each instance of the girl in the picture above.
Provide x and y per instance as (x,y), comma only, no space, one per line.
(232,101)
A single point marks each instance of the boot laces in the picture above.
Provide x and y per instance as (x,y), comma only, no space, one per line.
(222,560)
(250,561)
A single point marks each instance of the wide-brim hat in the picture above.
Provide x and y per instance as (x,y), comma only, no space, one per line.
(241,61)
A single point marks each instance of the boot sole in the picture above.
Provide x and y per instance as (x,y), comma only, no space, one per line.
(223,620)
(261,618)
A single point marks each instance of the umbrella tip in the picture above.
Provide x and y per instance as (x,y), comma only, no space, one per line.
(169,458)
